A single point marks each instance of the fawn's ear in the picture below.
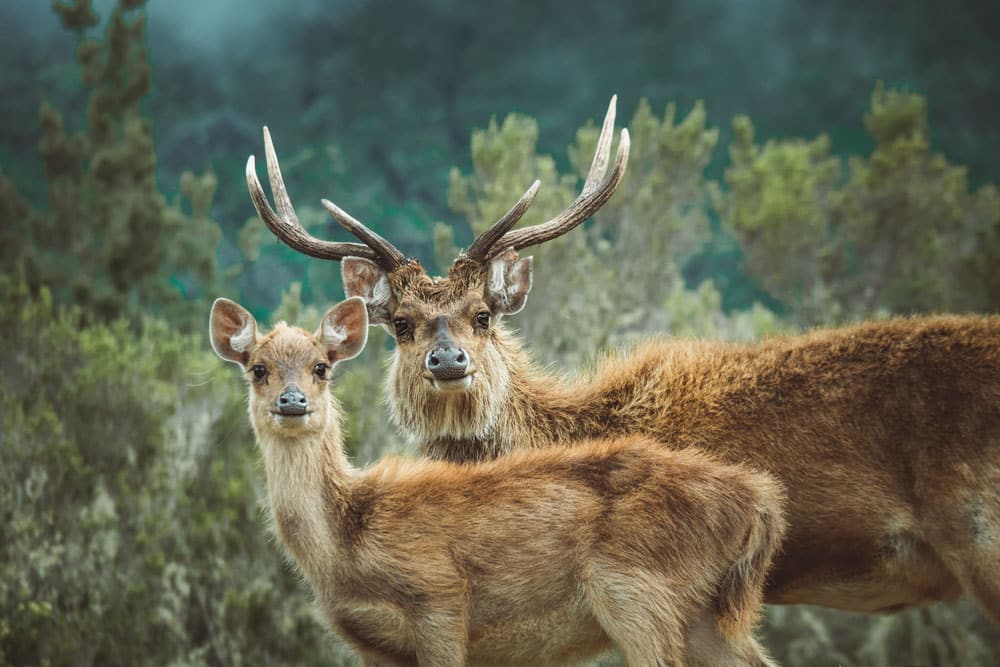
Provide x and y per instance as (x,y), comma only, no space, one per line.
(508,283)
(344,330)
(366,279)
(233,331)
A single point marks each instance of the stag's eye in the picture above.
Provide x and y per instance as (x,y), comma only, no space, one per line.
(259,371)
(403,330)
(483,318)
(319,370)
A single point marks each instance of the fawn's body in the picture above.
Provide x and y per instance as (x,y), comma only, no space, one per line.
(543,557)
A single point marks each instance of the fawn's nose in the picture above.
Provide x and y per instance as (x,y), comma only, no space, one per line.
(292,401)
(446,362)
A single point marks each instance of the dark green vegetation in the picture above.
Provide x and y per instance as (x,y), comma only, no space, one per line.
(130,522)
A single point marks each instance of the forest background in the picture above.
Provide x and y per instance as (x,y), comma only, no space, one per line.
(793,164)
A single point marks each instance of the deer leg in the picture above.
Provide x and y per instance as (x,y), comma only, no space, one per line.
(964,528)
(980,569)
(441,641)
(635,611)
(706,647)
(977,570)
(441,654)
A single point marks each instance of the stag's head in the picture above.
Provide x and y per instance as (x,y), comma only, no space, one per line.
(289,369)
(451,368)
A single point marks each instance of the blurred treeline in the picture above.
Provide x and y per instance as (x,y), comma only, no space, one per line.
(131,529)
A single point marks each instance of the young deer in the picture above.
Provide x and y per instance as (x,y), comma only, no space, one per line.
(886,435)
(544,557)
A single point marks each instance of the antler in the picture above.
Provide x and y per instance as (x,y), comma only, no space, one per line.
(286,226)
(481,246)
(594,195)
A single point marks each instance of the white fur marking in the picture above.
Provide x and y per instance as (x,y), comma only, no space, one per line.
(381,292)
(497,273)
(461,384)
(499,287)
(242,341)
(333,336)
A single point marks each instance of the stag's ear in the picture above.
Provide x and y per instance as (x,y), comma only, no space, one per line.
(508,283)
(233,331)
(366,279)
(344,330)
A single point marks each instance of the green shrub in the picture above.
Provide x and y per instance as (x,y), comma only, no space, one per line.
(901,232)
(130,502)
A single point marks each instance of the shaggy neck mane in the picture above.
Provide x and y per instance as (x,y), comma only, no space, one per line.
(540,408)
(547,406)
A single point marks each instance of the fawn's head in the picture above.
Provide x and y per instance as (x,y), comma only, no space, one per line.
(289,369)
(451,366)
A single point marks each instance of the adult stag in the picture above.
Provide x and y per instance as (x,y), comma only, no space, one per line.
(886,435)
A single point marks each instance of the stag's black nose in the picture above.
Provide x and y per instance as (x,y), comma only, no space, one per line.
(447,362)
(292,401)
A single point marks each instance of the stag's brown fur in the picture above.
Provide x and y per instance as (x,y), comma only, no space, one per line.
(885,434)
(541,557)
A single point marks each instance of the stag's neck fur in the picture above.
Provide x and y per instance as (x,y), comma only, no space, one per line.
(527,407)
(308,485)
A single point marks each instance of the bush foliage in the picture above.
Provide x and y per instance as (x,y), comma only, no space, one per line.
(109,240)
(130,512)
(131,529)
(900,232)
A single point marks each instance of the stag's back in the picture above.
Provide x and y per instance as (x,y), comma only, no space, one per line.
(879,389)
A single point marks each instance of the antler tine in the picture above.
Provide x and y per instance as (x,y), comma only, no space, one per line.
(389,258)
(285,225)
(595,193)
(597,189)
(582,208)
(599,165)
(481,246)
(281,199)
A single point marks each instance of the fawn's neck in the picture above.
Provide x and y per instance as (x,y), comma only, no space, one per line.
(307,481)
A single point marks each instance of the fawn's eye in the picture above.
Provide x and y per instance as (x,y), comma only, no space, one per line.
(319,370)
(402,326)
(483,318)
(259,371)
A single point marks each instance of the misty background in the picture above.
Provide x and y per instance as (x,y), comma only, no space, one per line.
(383,95)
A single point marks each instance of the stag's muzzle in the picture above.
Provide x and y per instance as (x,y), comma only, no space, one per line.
(447,362)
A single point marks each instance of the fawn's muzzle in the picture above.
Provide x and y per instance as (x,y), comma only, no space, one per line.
(292,402)
(446,362)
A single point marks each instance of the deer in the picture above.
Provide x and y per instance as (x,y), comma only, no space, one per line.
(885,434)
(546,556)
